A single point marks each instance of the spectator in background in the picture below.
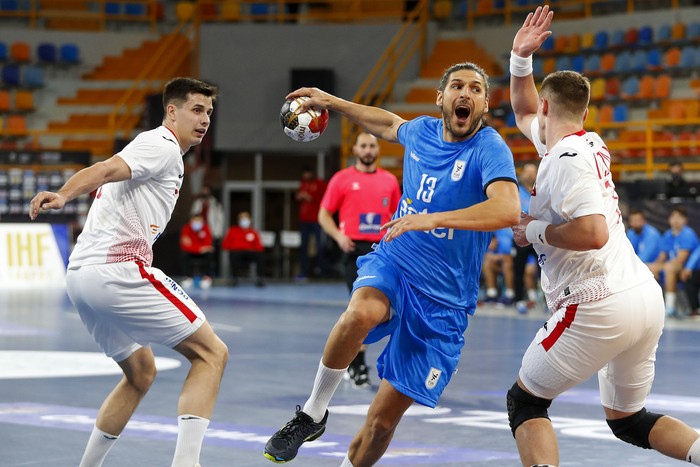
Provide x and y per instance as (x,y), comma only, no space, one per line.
(677,186)
(309,196)
(525,266)
(365,198)
(690,275)
(676,245)
(243,243)
(206,204)
(197,253)
(497,260)
(645,238)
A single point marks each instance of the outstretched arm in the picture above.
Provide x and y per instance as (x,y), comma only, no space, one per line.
(500,210)
(381,123)
(523,92)
(87,180)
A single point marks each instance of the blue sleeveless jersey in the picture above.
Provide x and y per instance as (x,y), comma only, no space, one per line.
(445,264)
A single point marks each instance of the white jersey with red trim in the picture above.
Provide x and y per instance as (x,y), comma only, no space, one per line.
(574,180)
(127,217)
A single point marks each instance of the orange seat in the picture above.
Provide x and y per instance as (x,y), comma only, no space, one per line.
(632,144)
(605,114)
(549,65)
(612,88)
(184,11)
(665,140)
(672,57)
(678,32)
(4,101)
(607,62)
(16,125)
(646,87)
(662,87)
(677,110)
(685,144)
(20,52)
(24,101)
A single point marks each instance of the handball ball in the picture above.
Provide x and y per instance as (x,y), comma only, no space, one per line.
(303,127)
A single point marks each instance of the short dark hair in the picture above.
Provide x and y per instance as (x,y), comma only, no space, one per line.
(568,90)
(177,89)
(638,211)
(463,66)
(680,210)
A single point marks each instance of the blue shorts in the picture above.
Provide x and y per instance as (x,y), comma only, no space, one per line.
(426,337)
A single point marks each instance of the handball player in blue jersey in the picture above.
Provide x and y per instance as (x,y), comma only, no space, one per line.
(420,283)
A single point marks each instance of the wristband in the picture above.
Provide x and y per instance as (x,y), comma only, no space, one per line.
(520,66)
(535,232)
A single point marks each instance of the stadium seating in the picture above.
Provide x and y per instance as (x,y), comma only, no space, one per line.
(5,104)
(11,75)
(24,101)
(20,52)
(46,53)
(3,52)
(69,54)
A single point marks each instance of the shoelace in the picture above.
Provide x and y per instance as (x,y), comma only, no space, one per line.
(286,430)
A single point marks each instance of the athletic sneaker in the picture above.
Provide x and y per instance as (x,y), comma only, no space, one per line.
(360,375)
(284,445)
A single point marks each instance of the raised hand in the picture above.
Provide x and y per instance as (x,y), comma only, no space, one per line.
(533,32)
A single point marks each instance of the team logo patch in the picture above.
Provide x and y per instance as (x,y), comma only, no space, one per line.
(458,170)
(433,378)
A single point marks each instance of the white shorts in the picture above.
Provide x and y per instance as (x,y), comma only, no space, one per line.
(128,305)
(616,337)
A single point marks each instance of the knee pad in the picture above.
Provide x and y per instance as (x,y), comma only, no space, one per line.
(523,406)
(635,428)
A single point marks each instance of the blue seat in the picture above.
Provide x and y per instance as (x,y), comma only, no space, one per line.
(537,66)
(69,54)
(9,5)
(592,64)
(630,87)
(11,75)
(510,119)
(135,9)
(653,59)
(547,45)
(664,33)
(639,60)
(620,113)
(577,63)
(618,38)
(3,52)
(646,35)
(46,53)
(33,77)
(693,32)
(601,40)
(623,61)
(563,62)
(113,8)
(688,59)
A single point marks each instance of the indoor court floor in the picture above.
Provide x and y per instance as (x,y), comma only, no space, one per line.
(53,379)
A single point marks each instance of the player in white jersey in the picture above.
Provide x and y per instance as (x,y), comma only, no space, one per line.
(127,304)
(608,311)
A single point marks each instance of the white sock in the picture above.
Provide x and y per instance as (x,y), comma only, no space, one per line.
(325,384)
(670,299)
(693,455)
(190,434)
(491,292)
(97,448)
(532,295)
(509,293)
(346,462)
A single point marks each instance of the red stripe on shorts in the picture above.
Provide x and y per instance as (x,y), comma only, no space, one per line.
(160,287)
(565,323)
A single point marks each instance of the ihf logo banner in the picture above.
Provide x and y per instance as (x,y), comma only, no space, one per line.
(33,255)
(370,222)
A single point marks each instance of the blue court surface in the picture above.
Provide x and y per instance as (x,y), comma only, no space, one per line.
(53,379)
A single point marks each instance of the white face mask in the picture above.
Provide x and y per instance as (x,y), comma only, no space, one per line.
(244,223)
(197,225)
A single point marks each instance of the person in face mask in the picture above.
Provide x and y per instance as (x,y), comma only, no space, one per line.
(243,243)
(197,252)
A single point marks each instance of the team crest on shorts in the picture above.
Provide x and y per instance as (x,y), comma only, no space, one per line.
(433,378)
(458,170)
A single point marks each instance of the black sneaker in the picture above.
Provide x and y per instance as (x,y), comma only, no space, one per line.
(360,375)
(284,445)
